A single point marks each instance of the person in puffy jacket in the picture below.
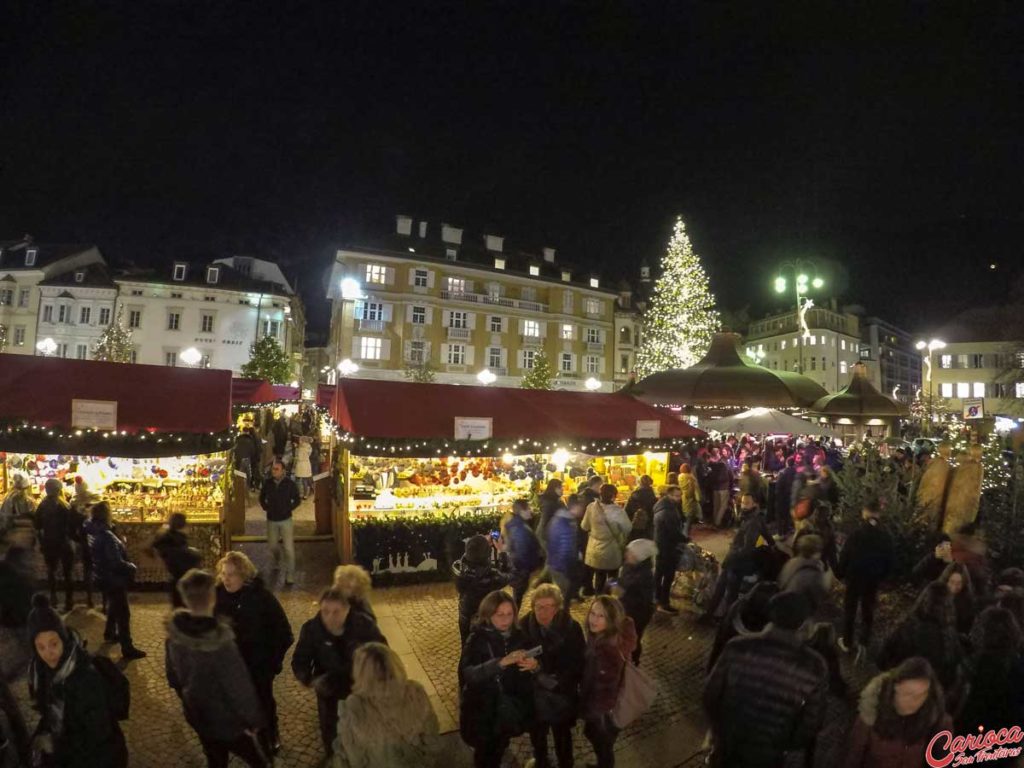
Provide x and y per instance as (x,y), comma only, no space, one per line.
(550,502)
(261,630)
(993,675)
(608,531)
(171,545)
(563,559)
(690,498)
(866,561)
(323,656)
(899,713)
(636,587)
(522,547)
(114,574)
(55,528)
(387,721)
(476,577)
(640,509)
(611,639)
(669,536)
(206,670)
(805,572)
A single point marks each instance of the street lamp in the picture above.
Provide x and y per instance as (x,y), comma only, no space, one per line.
(802,283)
(346,367)
(592,384)
(47,346)
(928,348)
(191,357)
(485,377)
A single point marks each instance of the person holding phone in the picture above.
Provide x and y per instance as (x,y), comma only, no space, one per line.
(475,577)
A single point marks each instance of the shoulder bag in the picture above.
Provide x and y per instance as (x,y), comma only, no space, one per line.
(636,694)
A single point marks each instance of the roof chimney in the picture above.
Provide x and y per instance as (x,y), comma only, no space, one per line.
(403,225)
(494,242)
(450,234)
(549,255)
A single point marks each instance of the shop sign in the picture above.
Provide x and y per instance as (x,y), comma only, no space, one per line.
(974,409)
(473,427)
(648,429)
(94,414)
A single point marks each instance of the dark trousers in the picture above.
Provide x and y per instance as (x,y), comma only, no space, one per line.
(727,586)
(602,733)
(119,616)
(87,572)
(601,579)
(327,714)
(16,724)
(520,584)
(640,621)
(489,755)
(864,595)
(664,575)
(263,681)
(65,558)
(561,735)
(244,747)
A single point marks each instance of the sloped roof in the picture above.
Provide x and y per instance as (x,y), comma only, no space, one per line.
(96,276)
(724,379)
(859,398)
(12,253)
(228,279)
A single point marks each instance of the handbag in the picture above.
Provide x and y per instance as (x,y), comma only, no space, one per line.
(636,695)
(549,705)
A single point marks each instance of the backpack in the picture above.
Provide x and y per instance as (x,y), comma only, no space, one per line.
(119,692)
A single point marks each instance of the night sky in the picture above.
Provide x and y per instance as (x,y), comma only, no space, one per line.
(883,140)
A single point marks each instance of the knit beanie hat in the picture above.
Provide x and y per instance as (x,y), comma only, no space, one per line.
(43,618)
(789,610)
(642,549)
(478,549)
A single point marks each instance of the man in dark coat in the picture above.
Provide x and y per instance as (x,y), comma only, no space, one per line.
(865,562)
(766,693)
(279,497)
(523,549)
(323,656)
(247,455)
(206,670)
(640,509)
(783,496)
(742,559)
(670,536)
(550,502)
(476,577)
(114,574)
(55,527)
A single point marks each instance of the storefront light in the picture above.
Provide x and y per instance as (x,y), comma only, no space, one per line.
(592,384)
(346,367)
(191,356)
(485,377)
(351,289)
(560,457)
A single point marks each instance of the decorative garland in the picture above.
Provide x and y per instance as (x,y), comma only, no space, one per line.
(39,438)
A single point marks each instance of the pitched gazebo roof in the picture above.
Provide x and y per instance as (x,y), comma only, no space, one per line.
(724,379)
(859,398)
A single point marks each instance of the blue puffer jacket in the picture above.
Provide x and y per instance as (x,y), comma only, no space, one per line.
(523,546)
(109,556)
(562,550)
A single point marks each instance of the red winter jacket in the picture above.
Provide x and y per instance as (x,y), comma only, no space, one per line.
(602,675)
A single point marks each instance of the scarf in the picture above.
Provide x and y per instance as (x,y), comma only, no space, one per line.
(48,686)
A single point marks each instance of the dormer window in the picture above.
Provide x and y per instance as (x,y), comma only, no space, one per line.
(534,270)
(451,253)
(80,276)
(212,275)
(566,276)
(179,272)
(594,282)
(499,263)
(30,257)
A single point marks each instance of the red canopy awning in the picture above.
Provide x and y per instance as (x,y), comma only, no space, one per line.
(251,392)
(287,392)
(325,395)
(404,411)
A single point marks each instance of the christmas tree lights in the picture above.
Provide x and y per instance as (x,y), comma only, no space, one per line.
(115,343)
(681,318)
(539,376)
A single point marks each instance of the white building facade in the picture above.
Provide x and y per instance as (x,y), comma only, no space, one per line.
(74,309)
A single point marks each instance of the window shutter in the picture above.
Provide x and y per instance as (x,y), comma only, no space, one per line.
(446,318)
(385,349)
(574,366)
(408,313)
(357,310)
(406,349)
(389,275)
(543,329)
(430,315)
(444,354)
(355,347)
(426,350)
(600,364)
(412,275)
(471,320)
(522,330)
(430,278)
(504,358)
(388,312)
(469,354)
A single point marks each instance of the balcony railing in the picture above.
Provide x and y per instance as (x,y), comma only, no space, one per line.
(373,326)
(536,341)
(595,346)
(459,333)
(497,371)
(568,375)
(497,301)
(454,368)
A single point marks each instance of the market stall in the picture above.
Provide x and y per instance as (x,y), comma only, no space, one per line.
(423,458)
(131,434)
(859,410)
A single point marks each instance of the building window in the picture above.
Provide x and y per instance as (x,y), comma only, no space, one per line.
(565,364)
(420,278)
(494,357)
(978,389)
(842,344)
(82,351)
(593,336)
(206,323)
(134,356)
(814,362)
(977,361)
(1018,389)
(272,328)
(842,366)
(171,359)
(624,363)
(946,389)
(23,295)
(375,273)
(173,321)
(946,361)
(456,354)
(419,315)
(30,257)
(19,335)
(84,316)
(592,306)
(594,282)
(370,348)
(529,358)
(783,345)
(62,350)
(961,361)
(212,276)
(373,310)
(6,297)
(567,331)
(592,363)
(499,263)
(963,389)
(176,295)
(456,285)
(136,292)
(179,273)
(205,361)
(135,318)
(528,294)
(495,324)
(451,254)
(812,340)
(417,352)
(568,303)
(62,313)
(534,270)
(531,328)
(459,320)
(104,315)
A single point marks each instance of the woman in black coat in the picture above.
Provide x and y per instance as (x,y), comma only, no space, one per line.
(930,632)
(993,689)
(556,683)
(958,579)
(496,689)
(261,630)
(636,582)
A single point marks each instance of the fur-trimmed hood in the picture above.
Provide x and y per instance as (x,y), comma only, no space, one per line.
(198,633)
(869,698)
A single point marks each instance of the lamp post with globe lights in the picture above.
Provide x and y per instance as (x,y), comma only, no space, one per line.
(927,349)
(486,377)
(351,290)
(347,368)
(802,284)
(47,347)
(592,384)
(191,357)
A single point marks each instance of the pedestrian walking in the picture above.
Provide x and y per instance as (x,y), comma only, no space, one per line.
(992,694)
(589,492)
(636,587)
(670,537)
(77,725)
(550,502)
(303,469)
(743,559)
(523,548)
(611,639)
(721,489)
(496,688)
(866,561)
(563,558)
(171,546)
(608,529)
(958,579)
(261,631)
(930,632)
(766,694)
(805,572)
(900,712)
(387,721)
(114,574)
(206,670)
(476,577)
(247,452)
(17,504)
(690,496)
(355,584)
(783,498)
(80,504)
(279,497)
(556,683)
(324,655)
(640,509)
(55,528)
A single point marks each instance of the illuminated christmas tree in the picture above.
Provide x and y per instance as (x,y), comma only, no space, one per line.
(268,361)
(540,376)
(3,337)
(681,318)
(115,343)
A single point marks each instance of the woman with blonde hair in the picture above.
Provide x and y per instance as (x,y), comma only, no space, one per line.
(387,721)
(611,639)
(262,632)
(354,582)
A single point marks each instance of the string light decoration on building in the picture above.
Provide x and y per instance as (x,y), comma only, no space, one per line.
(115,343)
(681,318)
